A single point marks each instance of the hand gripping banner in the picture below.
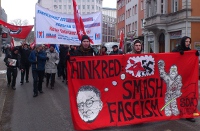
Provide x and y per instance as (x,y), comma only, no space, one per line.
(129,89)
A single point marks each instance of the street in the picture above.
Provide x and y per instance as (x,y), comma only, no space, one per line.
(50,111)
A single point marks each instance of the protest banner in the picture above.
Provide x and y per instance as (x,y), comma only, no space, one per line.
(53,27)
(129,89)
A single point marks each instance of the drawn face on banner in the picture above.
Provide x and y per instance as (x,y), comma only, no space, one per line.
(89,103)
(173,71)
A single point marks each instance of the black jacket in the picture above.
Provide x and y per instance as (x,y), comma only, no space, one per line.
(11,56)
(85,52)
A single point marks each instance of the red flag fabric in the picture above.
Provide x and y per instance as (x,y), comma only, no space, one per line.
(130,89)
(121,40)
(20,32)
(80,30)
(12,43)
(32,45)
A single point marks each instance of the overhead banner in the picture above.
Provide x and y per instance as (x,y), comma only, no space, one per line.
(59,28)
(129,89)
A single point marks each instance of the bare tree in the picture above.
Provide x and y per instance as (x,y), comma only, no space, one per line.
(30,37)
(19,22)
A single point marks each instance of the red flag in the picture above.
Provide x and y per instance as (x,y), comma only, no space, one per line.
(32,45)
(80,30)
(12,43)
(20,32)
(121,45)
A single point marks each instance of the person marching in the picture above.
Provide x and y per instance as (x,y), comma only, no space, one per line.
(136,47)
(38,59)
(12,61)
(25,64)
(51,65)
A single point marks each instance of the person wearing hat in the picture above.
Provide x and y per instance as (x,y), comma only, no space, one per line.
(116,51)
(136,47)
(51,66)
(12,61)
(37,59)
(25,64)
(85,48)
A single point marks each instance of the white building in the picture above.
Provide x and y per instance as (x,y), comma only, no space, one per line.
(66,6)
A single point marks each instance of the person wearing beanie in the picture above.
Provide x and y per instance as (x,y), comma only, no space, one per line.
(51,66)
(85,48)
(37,58)
(136,47)
(12,61)
(115,51)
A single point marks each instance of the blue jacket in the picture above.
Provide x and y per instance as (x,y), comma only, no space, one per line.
(37,60)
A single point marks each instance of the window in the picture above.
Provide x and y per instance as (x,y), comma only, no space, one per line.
(88,0)
(92,0)
(60,0)
(69,1)
(142,5)
(142,23)
(135,9)
(92,6)
(65,7)
(133,26)
(175,5)
(79,7)
(83,6)
(60,6)
(88,6)
(136,25)
(69,6)
(55,0)
(162,7)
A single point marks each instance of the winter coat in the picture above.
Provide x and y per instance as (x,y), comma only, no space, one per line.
(117,52)
(24,57)
(14,56)
(52,62)
(85,52)
(37,60)
(181,46)
(62,55)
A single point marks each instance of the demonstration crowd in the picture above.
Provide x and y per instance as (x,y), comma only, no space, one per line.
(45,61)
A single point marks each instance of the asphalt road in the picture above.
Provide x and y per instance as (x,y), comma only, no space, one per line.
(50,111)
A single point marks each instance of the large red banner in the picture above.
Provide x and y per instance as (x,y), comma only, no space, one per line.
(129,89)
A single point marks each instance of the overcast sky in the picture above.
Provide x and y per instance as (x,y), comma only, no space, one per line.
(26,11)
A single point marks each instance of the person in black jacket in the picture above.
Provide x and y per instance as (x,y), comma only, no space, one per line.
(185,46)
(25,64)
(12,61)
(85,48)
(115,51)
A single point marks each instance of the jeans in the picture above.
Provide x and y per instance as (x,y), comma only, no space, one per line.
(26,71)
(38,77)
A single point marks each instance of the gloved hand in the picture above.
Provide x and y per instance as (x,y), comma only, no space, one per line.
(197,53)
(181,52)
(47,58)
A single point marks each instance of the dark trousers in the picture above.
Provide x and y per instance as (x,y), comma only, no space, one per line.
(37,80)
(11,75)
(50,76)
(26,71)
(63,71)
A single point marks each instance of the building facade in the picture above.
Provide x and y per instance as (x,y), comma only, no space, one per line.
(109,25)
(121,7)
(66,6)
(167,21)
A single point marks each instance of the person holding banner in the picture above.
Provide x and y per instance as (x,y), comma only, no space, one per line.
(85,48)
(103,50)
(38,59)
(136,47)
(185,46)
(12,61)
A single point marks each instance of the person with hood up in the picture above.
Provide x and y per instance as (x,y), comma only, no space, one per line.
(85,48)
(185,46)
(51,66)
(12,61)
(37,58)
(136,47)
(103,50)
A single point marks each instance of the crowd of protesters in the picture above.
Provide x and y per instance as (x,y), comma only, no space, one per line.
(45,61)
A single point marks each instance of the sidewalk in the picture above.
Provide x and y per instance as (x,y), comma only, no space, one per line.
(3,83)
